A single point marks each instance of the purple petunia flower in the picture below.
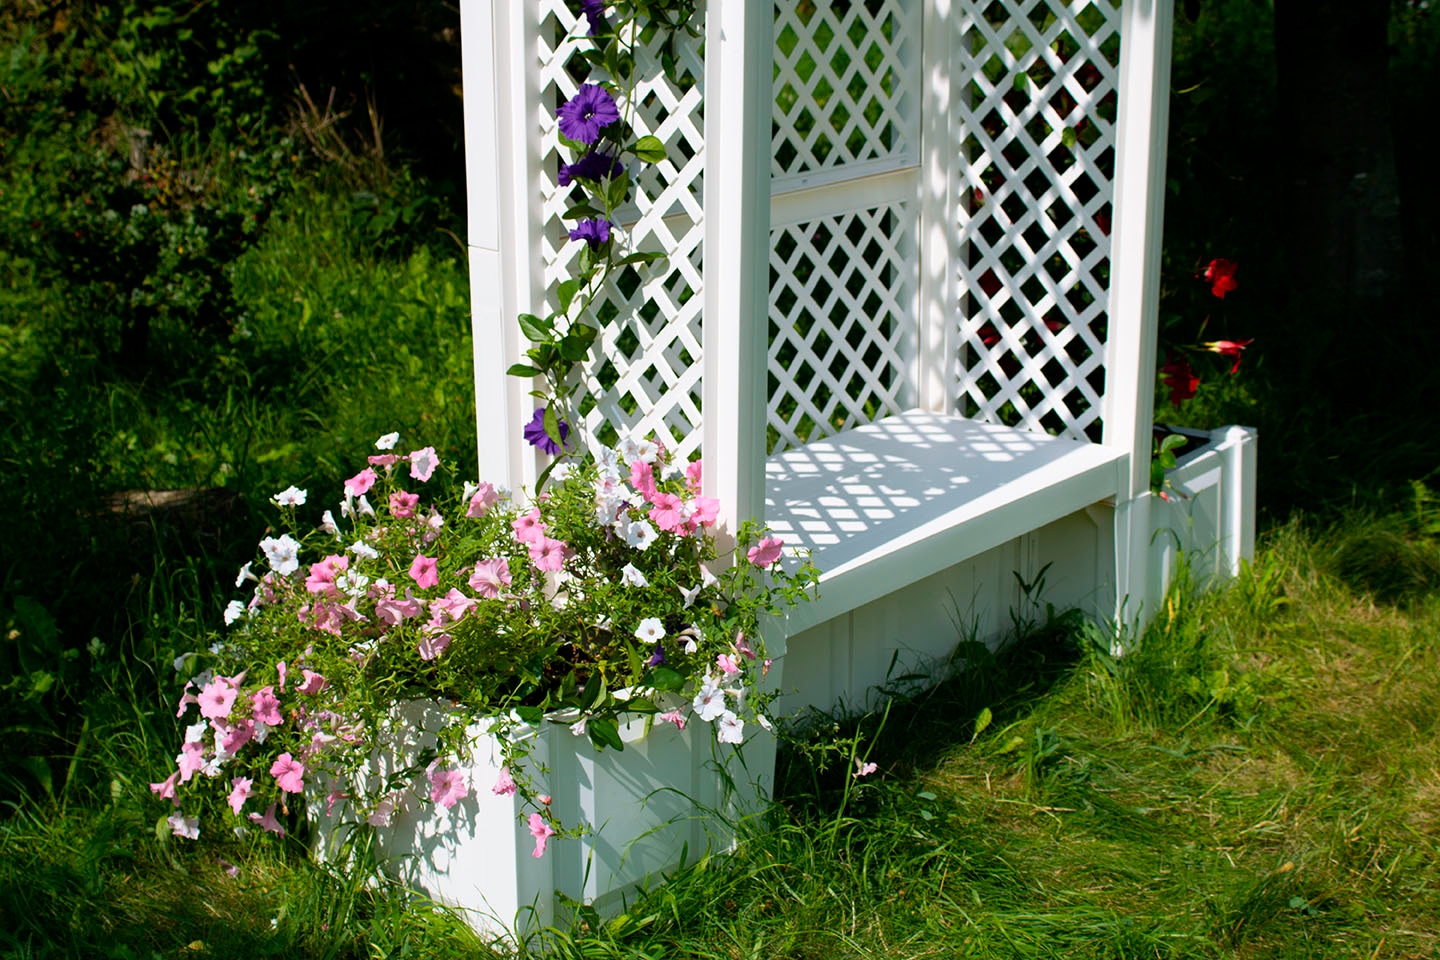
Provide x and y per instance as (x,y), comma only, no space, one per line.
(593,166)
(536,436)
(593,231)
(594,11)
(658,657)
(584,115)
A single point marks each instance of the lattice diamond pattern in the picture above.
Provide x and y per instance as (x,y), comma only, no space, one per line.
(842,333)
(846,83)
(1039,144)
(645,373)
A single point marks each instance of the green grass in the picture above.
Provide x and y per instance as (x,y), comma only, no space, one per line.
(1258,777)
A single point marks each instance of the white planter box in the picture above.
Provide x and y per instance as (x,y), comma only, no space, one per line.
(661,800)
(1210,525)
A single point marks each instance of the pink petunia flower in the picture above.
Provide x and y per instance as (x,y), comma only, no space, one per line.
(431,647)
(183,826)
(542,832)
(265,706)
(447,787)
(239,792)
(165,790)
(402,504)
(548,555)
(727,664)
(312,682)
(529,528)
(672,716)
(692,475)
(424,571)
(217,699)
(280,669)
(385,459)
(322,575)
(766,552)
(642,478)
(423,463)
(863,769)
(504,783)
(668,512)
(360,484)
(484,498)
(332,798)
(706,510)
(490,577)
(237,736)
(268,821)
(289,773)
(190,760)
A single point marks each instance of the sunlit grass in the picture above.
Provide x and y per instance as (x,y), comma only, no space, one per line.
(1259,777)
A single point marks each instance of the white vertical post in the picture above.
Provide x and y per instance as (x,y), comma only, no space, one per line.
(1135,275)
(940,79)
(503,200)
(1237,497)
(739,62)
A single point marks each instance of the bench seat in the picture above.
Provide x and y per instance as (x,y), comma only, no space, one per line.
(882,505)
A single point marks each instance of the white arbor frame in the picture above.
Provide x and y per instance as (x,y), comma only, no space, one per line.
(909,312)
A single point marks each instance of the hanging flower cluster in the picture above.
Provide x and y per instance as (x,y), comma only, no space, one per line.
(604,599)
(605,156)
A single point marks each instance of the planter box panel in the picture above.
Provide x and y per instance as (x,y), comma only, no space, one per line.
(908,637)
(668,795)
(1210,526)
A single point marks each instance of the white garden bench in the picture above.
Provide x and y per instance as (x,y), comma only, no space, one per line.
(948,210)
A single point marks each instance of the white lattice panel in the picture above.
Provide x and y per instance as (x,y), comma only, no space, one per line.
(846,83)
(842,333)
(645,371)
(1037,143)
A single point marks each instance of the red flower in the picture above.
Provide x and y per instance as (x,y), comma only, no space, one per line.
(1229,348)
(1220,274)
(1181,380)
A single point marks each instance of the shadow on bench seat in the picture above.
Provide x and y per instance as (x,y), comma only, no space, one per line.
(883,505)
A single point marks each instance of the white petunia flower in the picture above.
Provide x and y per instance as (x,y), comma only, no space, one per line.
(730,728)
(363,550)
(690,594)
(234,610)
(364,508)
(282,553)
(196,731)
(327,524)
(709,701)
(639,534)
(650,630)
(608,463)
(632,577)
(291,496)
(561,471)
(387,442)
(707,578)
(245,574)
(183,826)
(629,449)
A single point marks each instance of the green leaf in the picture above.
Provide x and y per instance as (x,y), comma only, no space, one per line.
(522,370)
(981,722)
(1067,137)
(586,261)
(574,348)
(639,258)
(579,212)
(531,715)
(604,732)
(593,692)
(535,329)
(925,795)
(666,679)
(650,149)
(566,292)
(552,429)
(616,190)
